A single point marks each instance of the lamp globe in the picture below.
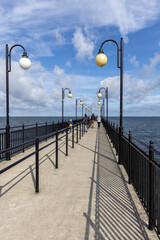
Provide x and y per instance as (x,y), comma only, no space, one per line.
(25,63)
(99,95)
(101,59)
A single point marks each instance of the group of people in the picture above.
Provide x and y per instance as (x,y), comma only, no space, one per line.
(86,121)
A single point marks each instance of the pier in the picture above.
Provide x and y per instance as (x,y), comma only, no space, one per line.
(86,197)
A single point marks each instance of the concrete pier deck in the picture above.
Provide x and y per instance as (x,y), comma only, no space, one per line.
(87,197)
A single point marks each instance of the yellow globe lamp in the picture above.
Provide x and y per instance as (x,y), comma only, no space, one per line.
(101,59)
(99,95)
(98,106)
(80,102)
(86,106)
(70,94)
(99,103)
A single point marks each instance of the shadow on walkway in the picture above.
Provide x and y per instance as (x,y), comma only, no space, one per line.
(116,216)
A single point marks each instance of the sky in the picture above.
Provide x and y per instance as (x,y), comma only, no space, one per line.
(62,39)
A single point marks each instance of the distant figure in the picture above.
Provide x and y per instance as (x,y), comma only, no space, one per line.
(85,122)
(70,124)
(92,123)
(99,121)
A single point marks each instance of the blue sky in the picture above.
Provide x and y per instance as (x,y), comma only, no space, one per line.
(62,39)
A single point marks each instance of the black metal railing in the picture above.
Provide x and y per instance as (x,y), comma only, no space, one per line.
(142,169)
(24,133)
(66,132)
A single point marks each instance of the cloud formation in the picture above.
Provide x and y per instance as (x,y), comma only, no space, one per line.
(134,61)
(32,21)
(83,45)
(149,68)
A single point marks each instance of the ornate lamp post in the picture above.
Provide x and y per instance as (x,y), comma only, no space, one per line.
(100,61)
(99,95)
(77,105)
(63,96)
(81,103)
(24,63)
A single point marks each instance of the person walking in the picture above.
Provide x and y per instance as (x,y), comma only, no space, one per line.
(92,120)
(85,122)
(70,124)
(99,121)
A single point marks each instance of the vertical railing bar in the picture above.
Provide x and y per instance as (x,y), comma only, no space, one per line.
(67,142)
(77,133)
(57,149)
(37,163)
(151,158)
(73,136)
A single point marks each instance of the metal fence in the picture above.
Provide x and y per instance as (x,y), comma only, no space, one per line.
(24,133)
(143,171)
(66,133)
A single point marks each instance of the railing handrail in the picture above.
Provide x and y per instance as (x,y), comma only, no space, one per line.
(143,171)
(44,137)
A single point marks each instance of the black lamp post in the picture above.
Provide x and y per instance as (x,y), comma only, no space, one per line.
(106,96)
(63,96)
(101,60)
(24,63)
(77,104)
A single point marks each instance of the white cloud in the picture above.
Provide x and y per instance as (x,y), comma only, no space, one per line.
(59,37)
(83,45)
(32,21)
(113,84)
(58,71)
(134,61)
(68,64)
(135,90)
(149,68)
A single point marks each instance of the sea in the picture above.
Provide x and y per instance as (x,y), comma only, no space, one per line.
(144,129)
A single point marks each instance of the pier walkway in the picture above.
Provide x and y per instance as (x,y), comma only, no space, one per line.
(86,198)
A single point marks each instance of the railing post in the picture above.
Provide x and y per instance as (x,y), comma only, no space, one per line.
(36,129)
(151,158)
(8,154)
(37,163)
(73,136)
(46,130)
(82,128)
(77,133)
(53,126)
(129,157)
(80,132)
(57,149)
(23,135)
(67,142)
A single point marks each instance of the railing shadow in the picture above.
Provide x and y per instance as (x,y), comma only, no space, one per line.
(29,170)
(116,216)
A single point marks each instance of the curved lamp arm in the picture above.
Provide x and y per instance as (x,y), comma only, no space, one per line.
(106,90)
(63,92)
(110,40)
(9,54)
